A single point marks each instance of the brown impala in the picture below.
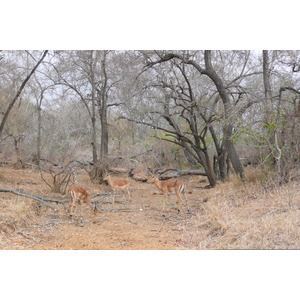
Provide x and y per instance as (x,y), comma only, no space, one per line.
(78,195)
(118,184)
(168,186)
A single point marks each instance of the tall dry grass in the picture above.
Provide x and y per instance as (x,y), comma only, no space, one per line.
(245,215)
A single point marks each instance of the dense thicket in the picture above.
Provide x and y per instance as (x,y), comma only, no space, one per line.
(210,110)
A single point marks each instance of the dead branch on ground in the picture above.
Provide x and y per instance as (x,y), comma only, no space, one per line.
(172,172)
(43,200)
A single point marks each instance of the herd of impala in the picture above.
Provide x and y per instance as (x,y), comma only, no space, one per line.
(79,195)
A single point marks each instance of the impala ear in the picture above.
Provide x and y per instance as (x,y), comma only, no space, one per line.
(157,171)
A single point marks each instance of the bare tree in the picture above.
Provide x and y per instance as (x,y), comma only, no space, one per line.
(13,101)
(224,95)
(87,74)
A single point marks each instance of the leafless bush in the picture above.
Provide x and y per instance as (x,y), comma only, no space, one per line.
(58,178)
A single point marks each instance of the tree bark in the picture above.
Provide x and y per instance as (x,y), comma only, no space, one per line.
(6,114)
(38,146)
(103,112)
(93,110)
(228,111)
(266,75)
(39,125)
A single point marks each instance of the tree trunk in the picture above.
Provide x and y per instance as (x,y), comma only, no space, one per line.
(208,168)
(39,125)
(6,114)
(103,112)
(227,130)
(17,144)
(209,171)
(266,75)
(104,134)
(38,146)
(268,97)
(221,166)
(93,116)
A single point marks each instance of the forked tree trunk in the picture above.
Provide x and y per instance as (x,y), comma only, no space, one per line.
(221,165)
(228,111)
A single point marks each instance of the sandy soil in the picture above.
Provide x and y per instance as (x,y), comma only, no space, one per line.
(135,224)
(233,215)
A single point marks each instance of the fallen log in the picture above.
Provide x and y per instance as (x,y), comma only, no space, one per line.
(43,199)
(171,173)
(100,195)
(140,177)
(38,198)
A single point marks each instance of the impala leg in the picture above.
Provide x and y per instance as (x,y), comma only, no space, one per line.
(80,202)
(179,201)
(72,205)
(93,209)
(186,204)
(124,193)
(89,202)
(164,201)
(71,208)
(167,196)
(113,198)
(128,192)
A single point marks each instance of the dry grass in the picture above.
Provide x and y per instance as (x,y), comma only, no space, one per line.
(17,211)
(234,215)
(245,216)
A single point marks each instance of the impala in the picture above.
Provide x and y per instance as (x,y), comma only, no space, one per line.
(117,185)
(78,195)
(168,186)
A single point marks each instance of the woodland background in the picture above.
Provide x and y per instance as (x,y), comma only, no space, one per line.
(229,25)
(215,111)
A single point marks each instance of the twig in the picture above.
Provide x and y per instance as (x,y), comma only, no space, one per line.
(28,237)
(280,210)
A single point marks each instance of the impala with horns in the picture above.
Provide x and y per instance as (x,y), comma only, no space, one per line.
(169,186)
(78,195)
(117,185)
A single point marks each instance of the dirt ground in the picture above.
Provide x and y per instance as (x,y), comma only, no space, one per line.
(135,224)
(234,215)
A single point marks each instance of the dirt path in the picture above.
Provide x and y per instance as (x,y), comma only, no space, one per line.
(128,226)
(114,230)
(135,224)
(111,231)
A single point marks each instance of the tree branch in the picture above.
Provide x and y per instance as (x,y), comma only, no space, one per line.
(38,198)
(20,91)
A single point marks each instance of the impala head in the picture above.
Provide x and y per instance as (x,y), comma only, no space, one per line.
(106,176)
(152,178)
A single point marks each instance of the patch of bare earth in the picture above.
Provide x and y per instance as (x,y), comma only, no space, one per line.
(231,216)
